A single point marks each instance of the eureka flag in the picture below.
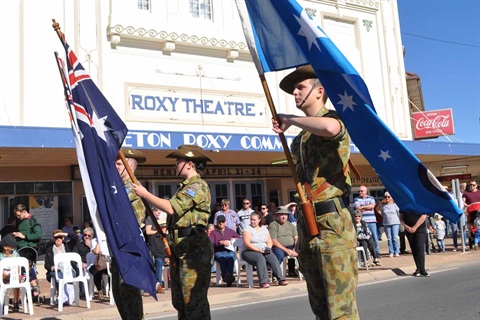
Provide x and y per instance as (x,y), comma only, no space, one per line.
(99,133)
(281,35)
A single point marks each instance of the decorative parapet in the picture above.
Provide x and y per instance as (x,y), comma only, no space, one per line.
(366,3)
(166,36)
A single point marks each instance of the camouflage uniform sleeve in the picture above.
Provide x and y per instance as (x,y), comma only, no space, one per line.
(343,129)
(189,197)
(137,205)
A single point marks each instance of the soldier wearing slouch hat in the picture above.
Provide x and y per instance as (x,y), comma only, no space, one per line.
(321,152)
(191,248)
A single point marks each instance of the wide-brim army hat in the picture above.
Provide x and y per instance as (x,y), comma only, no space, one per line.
(301,73)
(190,153)
(134,154)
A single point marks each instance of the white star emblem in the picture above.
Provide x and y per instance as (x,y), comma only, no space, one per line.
(99,125)
(384,155)
(346,101)
(309,30)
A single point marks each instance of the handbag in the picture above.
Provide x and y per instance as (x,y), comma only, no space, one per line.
(100,262)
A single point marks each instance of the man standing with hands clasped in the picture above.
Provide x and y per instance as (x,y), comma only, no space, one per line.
(321,152)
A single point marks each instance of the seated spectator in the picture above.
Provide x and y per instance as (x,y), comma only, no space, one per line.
(9,245)
(232,219)
(68,228)
(87,248)
(222,240)
(284,238)
(364,238)
(210,228)
(156,245)
(256,250)
(28,235)
(292,207)
(58,247)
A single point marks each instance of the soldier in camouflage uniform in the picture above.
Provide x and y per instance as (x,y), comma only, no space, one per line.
(128,299)
(321,152)
(191,248)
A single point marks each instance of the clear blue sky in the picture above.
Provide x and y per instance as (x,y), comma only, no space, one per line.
(449,71)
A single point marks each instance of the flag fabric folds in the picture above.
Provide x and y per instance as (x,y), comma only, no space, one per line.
(281,35)
(99,133)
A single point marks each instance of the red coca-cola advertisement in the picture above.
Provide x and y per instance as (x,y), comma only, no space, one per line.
(432,124)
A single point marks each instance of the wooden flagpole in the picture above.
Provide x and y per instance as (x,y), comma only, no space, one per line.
(307,208)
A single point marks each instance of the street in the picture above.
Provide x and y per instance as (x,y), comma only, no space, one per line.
(451,293)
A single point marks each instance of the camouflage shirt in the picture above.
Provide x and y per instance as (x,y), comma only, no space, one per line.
(325,160)
(191,203)
(137,203)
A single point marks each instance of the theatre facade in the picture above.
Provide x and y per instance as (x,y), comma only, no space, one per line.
(178,73)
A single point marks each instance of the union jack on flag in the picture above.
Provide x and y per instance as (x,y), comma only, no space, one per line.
(99,133)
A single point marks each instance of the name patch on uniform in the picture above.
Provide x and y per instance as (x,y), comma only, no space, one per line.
(191,192)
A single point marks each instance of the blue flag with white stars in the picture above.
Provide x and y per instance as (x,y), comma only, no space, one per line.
(281,35)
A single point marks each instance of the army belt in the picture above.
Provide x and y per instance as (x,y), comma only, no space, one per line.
(327,206)
(185,232)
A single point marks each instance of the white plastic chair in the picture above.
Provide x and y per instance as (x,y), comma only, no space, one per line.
(238,244)
(361,251)
(63,262)
(15,265)
(284,265)
(108,283)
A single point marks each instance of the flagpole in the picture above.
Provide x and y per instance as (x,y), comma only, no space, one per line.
(307,208)
(56,27)
(147,207)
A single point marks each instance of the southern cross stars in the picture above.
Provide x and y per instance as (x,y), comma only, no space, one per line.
(99,125)
(346,101)
(384,155)
(309,30)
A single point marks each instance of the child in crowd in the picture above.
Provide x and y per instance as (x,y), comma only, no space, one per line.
(440,228)
(476,223)
(9,245)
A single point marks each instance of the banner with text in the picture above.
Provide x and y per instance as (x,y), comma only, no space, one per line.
(170,105)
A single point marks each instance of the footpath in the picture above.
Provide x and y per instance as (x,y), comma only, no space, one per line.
(222,295)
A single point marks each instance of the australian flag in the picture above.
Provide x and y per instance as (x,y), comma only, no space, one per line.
(99,133)
(281,35)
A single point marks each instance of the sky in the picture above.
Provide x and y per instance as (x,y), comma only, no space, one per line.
(442,43)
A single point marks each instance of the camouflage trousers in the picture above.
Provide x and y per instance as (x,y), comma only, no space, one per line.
(128,299)
(329,264)
(190,276)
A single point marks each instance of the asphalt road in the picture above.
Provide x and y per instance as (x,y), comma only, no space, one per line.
(452,293)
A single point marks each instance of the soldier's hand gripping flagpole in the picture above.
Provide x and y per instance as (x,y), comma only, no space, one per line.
(147,207)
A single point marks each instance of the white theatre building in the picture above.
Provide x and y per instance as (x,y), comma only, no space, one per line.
(179,72)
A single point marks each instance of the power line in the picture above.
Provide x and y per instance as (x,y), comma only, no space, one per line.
(440,40)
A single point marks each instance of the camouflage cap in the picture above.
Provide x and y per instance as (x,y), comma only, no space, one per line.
(302,73)
(134,154)
(189,152)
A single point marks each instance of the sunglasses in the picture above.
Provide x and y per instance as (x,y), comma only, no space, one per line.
(88,235)
(358,216)
(58,237)
(263,208)
(246,203)
(387,197)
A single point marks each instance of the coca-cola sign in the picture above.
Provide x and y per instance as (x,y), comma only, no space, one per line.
(432,124)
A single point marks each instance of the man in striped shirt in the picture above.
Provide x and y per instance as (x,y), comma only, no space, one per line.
(366,205)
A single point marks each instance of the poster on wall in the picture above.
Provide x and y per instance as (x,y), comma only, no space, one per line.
(45,210)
